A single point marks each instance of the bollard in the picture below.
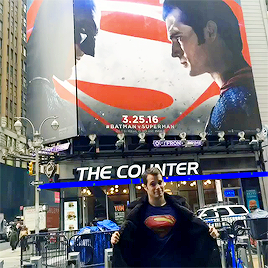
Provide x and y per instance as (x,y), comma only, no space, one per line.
(37,261)
(73,260)
(1,264)
(108,254)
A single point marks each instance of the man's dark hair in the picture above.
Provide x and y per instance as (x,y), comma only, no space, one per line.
(196,13)
(150,171)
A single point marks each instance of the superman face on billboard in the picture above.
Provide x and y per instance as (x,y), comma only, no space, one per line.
(138,81)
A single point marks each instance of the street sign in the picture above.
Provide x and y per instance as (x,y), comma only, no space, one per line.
(50,169)
(34,183)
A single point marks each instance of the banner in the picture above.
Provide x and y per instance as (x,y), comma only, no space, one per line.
(137,72)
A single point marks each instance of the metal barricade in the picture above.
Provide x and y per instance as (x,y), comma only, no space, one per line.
(222,221)
(91,247)
(52,247)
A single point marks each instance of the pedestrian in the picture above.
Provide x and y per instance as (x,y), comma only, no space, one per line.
(23,240)
(14,238)
(160,232)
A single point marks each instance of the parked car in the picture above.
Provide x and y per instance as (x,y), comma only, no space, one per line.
(215,213)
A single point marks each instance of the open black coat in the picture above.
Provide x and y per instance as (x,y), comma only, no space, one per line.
(192,241)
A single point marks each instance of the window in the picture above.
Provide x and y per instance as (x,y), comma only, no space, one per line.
(16,42)
(6,106)
(11,71)
(15,109)
(15,72)
(15,92)
(11,106)
(24,82)
(222,211)
(210,213)
(0,43)
(11,37)
(1,26)
(16,58)
(8,51)
(23,97)
(7,69)
(11,54)
(24,52)
(24,22)
(1,8)
(11,6)
(238,210)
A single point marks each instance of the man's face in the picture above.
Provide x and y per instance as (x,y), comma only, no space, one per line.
(155,186)
(185,44)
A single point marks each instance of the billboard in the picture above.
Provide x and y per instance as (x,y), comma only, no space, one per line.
(134,71)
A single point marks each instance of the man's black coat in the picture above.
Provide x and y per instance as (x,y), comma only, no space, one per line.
(192,242)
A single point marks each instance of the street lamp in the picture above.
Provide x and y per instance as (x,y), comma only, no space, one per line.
(37,144)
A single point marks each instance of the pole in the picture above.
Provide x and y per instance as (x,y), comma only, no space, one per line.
(107,204)
(36,190)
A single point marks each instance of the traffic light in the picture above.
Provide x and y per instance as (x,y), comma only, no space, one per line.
(30,168)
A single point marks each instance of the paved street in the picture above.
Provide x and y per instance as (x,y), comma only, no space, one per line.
(4,245)
(11,259)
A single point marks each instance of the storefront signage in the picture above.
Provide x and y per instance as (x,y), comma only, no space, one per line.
(229,193)
(119,214)
(70,216)
(177,143)
(136,170)
(252,199)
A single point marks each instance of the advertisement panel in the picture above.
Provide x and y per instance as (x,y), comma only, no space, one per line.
(51,55)
(70,216)
(189,72)
(252,199)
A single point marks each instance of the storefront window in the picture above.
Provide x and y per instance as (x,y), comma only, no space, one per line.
(210,192)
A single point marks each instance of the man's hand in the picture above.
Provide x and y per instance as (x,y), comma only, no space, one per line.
(213,232)
(115,238)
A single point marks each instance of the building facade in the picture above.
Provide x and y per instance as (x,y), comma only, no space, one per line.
(13,75)
(93,197)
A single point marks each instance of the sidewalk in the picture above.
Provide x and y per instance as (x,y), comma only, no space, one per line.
(11,259)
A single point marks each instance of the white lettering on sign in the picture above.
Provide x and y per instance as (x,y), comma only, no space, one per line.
(132,174)
(119,176)
(171,165)
(193,166)
(82,171)
(136,170)
(106,174)
(181,169)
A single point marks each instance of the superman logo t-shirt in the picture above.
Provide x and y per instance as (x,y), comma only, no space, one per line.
(160,220)
(159,223)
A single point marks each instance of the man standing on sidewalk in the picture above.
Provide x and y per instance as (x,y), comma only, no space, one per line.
(159,232)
